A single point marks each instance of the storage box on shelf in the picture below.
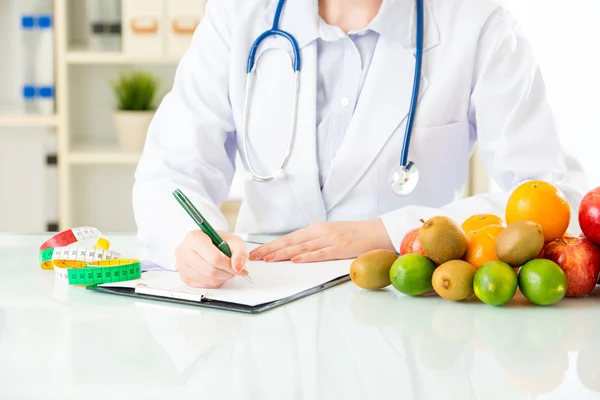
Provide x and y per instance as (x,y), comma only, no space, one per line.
(124,31)
(160,28)
(143,25)
(182,18)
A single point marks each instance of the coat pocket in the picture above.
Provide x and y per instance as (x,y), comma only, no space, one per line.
(441,154)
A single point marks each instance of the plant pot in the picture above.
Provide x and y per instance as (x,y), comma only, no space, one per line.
(131,128)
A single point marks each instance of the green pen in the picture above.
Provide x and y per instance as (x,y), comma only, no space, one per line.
(204,225)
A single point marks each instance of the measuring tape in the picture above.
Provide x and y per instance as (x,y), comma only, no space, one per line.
(79,264)
(99,272)
(75,235)
(60,249)
(64,257)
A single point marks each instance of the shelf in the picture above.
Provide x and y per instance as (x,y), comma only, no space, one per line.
(27,121)
(113,58)
(101,152)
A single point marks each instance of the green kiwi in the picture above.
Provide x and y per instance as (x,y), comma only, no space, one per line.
(442,239)
(453,280)
(372,269)
(520,242)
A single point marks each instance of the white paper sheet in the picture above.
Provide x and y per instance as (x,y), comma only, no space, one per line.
(271,282)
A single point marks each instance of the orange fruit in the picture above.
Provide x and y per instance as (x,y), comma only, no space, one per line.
(478,221)
(543,203)
(481,245)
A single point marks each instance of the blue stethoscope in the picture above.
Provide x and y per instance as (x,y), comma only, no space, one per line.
(403,178)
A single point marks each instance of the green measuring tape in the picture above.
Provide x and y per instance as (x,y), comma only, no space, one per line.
(78,264)
(99,272)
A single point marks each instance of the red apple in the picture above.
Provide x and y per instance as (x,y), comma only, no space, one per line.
(589,215)
(411,243)
(579,258)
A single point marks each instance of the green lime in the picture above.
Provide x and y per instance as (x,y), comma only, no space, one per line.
(495,283)
(411,274)
(542,282)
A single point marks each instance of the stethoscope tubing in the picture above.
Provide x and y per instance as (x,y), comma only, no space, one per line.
(275,31)
(297,63)
(245,123)
(416,85)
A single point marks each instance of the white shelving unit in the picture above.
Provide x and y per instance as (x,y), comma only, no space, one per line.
(99,153)
(28,121)
(95,175)
(113,58)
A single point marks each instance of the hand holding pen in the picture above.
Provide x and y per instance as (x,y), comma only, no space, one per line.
(207,258)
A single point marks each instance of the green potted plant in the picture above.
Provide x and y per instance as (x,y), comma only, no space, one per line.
(136,95)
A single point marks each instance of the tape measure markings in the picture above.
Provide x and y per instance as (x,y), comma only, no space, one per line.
(70,236)
(100,272)
(77,253)
(74,255)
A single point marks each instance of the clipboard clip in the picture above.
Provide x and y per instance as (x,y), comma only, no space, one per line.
(180,293)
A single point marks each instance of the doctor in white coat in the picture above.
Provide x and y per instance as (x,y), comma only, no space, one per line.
(479,82)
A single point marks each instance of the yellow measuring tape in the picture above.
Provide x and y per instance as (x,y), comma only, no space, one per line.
(81,264)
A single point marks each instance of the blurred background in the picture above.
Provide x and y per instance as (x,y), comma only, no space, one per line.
(78,79)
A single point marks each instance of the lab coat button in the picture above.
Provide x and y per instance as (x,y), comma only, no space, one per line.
(345,102)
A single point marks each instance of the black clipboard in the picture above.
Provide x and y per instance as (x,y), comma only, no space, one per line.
(217,304)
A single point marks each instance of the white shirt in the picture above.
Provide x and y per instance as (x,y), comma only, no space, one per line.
(343,64)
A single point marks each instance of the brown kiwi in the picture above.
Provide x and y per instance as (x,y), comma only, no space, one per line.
(372,269)
(519,242)
(442,239)
(453,280)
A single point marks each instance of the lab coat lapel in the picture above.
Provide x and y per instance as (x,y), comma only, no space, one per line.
(381,110)
(303,172)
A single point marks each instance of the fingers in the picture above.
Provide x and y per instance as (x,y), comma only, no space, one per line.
(192,277)
(196,272)
(293,251)
(292,239)
(200,266)
(203,246)
(239,254)
(323,254)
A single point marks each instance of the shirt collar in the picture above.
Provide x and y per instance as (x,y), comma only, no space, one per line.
(385,23)
(396,20)
(299,18)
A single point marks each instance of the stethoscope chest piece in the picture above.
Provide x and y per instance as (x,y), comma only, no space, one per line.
(404,179)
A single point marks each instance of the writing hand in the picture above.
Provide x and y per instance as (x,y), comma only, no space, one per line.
(201,264)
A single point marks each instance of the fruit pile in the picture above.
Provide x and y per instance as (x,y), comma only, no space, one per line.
(530,251)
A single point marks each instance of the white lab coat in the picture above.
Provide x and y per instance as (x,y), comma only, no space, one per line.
(479,82)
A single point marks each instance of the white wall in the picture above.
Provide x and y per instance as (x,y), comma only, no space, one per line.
(565,36)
